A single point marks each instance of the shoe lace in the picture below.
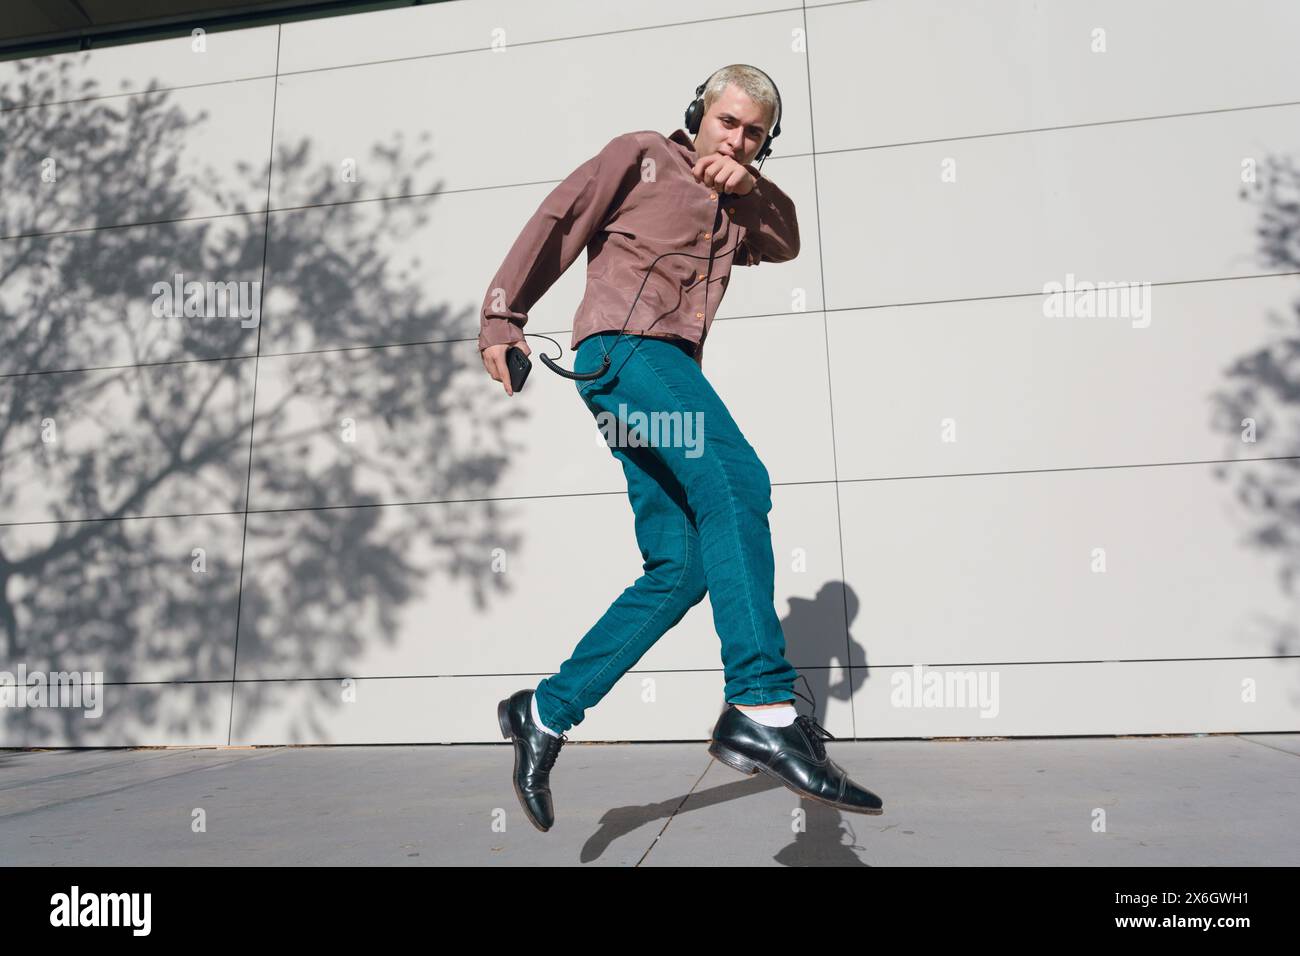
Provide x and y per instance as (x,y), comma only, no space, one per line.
(551,750)
(815,732)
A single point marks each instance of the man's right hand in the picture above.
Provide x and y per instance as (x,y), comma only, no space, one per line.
(494,360)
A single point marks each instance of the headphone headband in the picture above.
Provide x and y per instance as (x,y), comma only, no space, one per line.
(695,114)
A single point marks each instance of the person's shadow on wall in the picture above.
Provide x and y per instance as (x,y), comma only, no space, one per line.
(820,627)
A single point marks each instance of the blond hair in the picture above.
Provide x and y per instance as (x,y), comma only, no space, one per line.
(753,82)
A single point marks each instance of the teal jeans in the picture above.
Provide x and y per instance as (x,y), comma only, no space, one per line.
(700,497)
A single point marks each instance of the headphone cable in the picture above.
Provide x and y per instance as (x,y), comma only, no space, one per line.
(605,362)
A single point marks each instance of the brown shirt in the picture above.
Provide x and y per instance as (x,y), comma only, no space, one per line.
(631,202)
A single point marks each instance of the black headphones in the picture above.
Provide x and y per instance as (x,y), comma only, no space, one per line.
(695,113)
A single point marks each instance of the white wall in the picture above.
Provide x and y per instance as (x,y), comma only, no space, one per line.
(917,300)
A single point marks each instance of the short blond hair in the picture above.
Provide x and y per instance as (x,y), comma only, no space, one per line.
(752,81)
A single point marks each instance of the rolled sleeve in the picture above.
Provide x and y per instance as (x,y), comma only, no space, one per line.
(770,221)
(498,331)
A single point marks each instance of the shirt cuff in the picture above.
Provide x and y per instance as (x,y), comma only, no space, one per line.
(498,331)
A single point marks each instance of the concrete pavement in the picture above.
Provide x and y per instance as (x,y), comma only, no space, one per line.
(1211,800)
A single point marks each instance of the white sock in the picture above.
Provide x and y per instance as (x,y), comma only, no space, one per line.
(537,719)
(772,716)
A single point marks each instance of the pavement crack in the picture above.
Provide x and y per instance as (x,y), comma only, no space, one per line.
(668,822)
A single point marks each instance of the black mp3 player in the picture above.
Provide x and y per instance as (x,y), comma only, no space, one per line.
(519,365)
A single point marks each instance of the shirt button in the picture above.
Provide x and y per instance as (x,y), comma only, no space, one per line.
(713,197)
(731,209)
(699,315)
(701,275)
(708,235)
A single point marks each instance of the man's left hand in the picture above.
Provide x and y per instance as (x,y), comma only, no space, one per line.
(724,174)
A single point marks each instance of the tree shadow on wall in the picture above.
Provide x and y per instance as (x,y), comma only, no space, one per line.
(1265,388)
(125,435)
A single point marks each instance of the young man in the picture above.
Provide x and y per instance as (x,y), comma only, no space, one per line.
(682,210)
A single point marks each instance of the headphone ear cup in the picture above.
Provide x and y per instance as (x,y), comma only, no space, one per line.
(693,115)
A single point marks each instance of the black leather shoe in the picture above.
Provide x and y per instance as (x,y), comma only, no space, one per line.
(535,753)
(794,755)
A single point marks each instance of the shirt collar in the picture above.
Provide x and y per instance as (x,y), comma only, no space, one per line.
(683,139)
